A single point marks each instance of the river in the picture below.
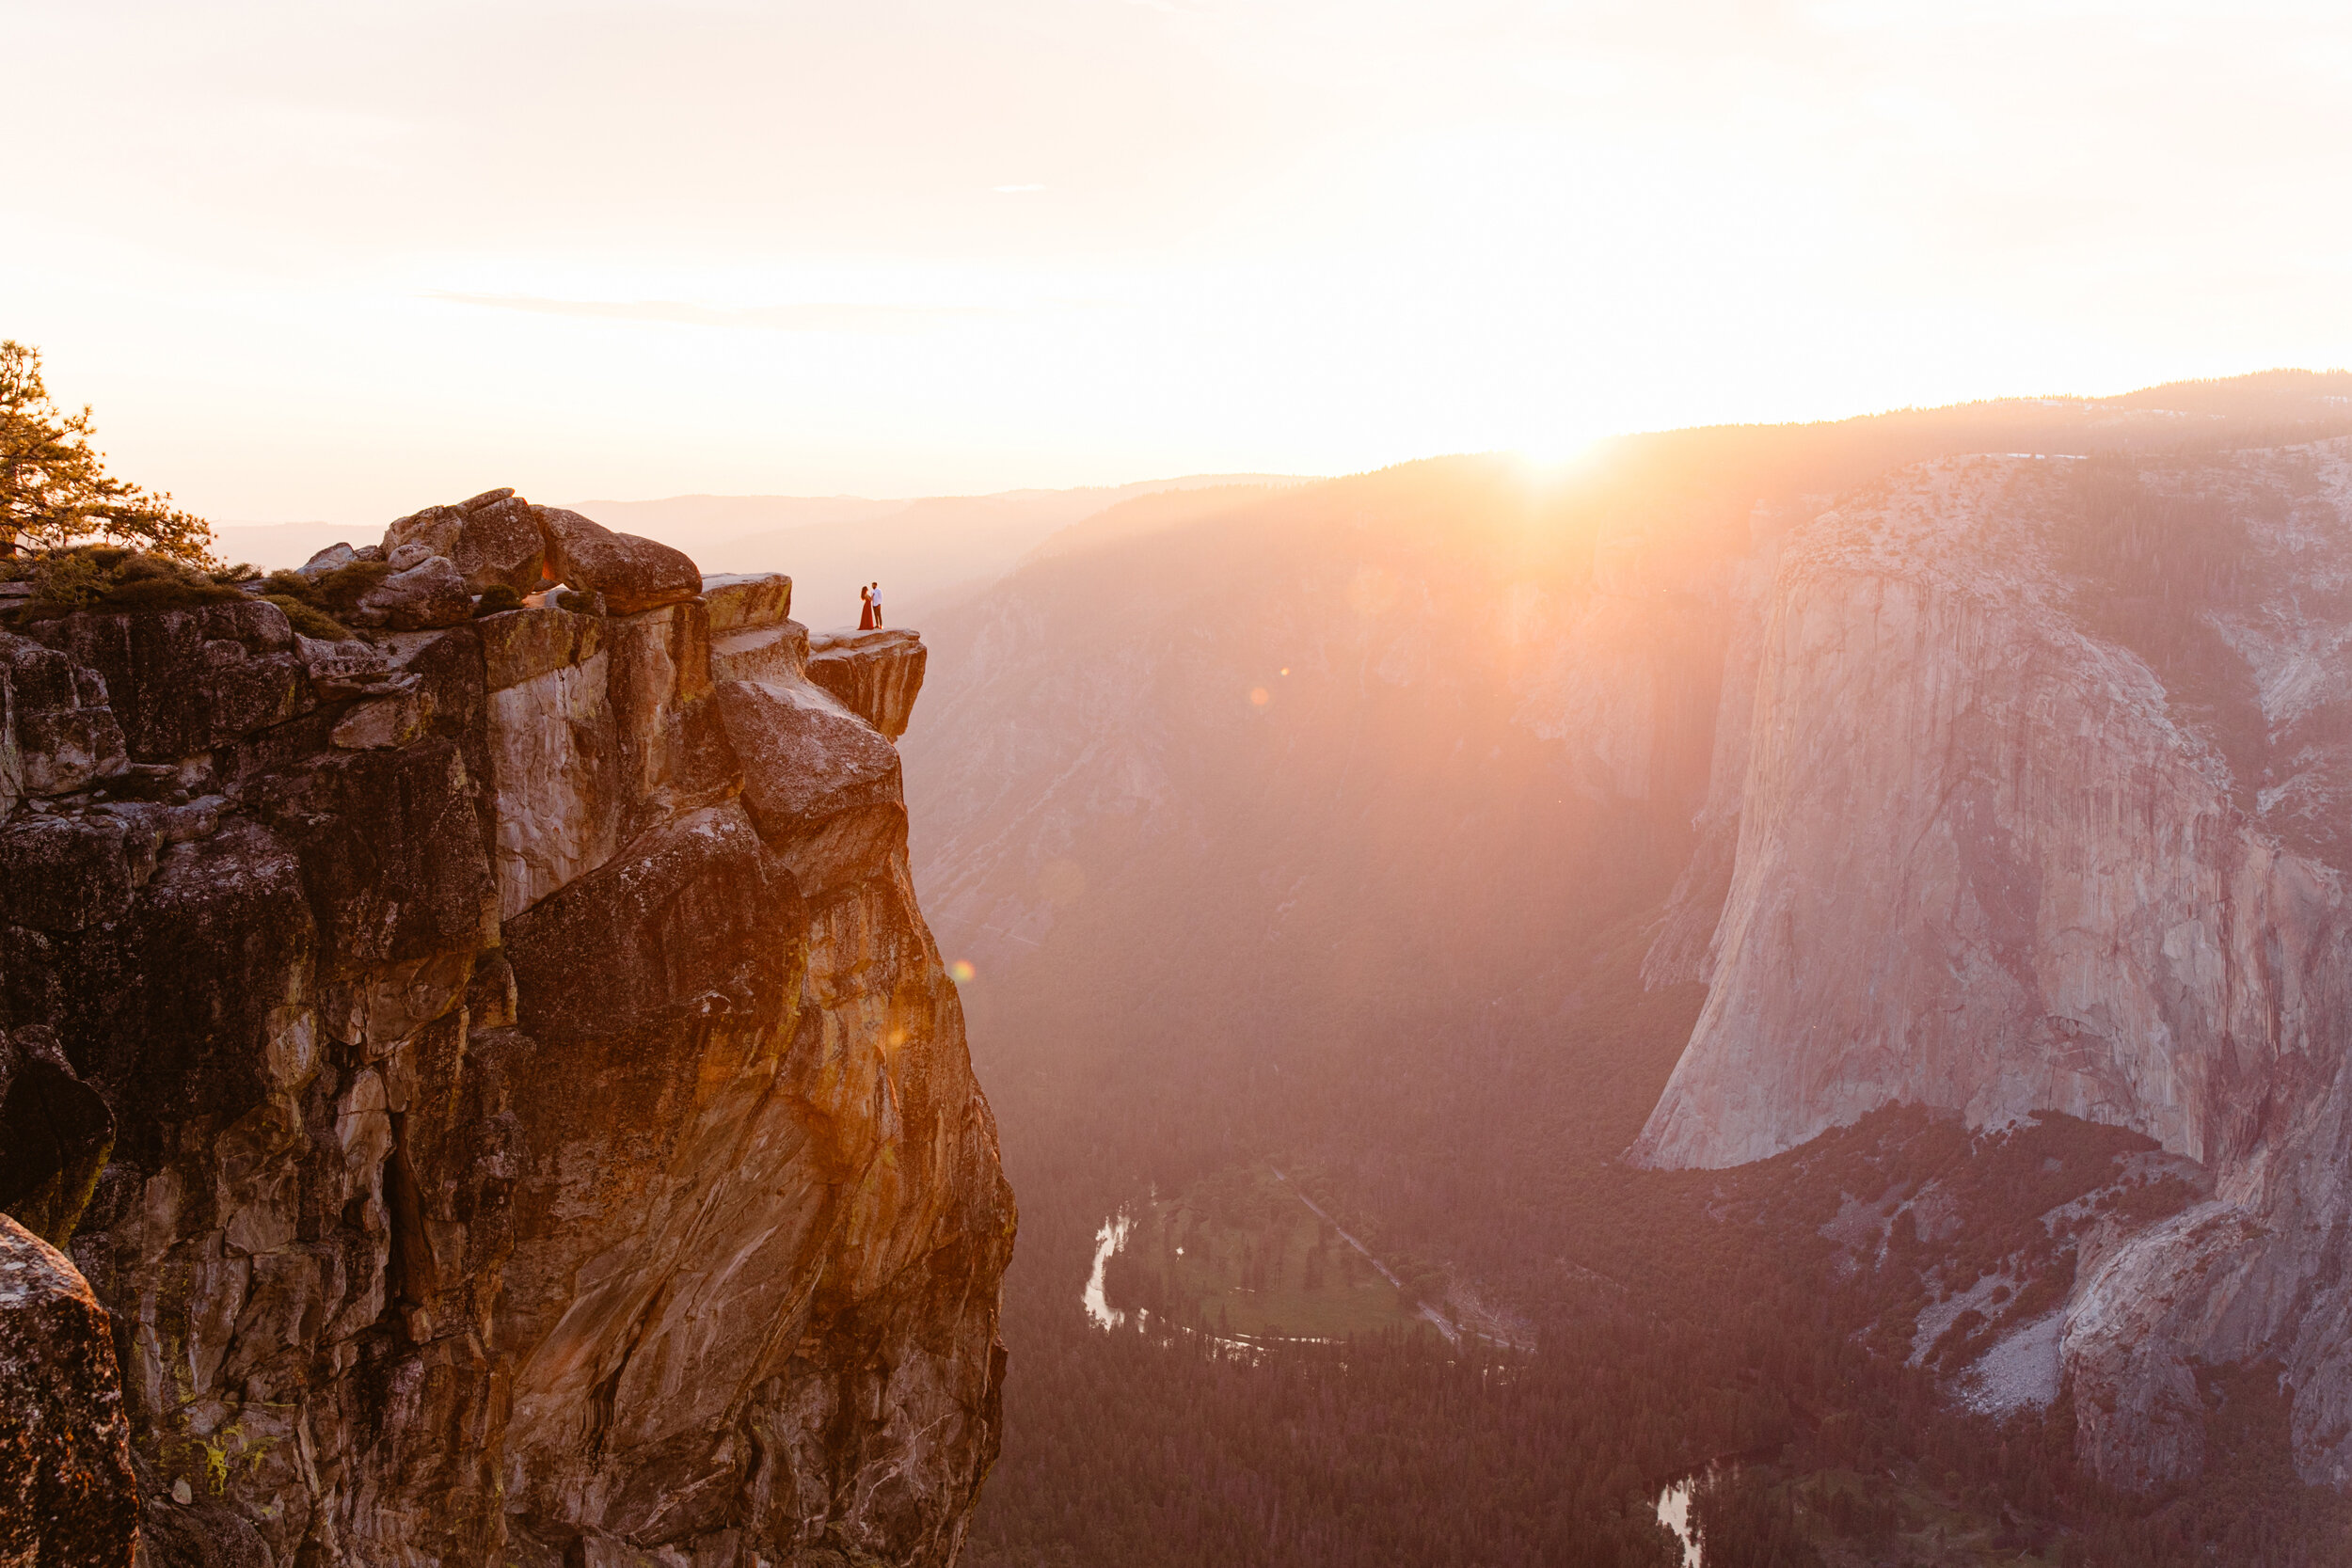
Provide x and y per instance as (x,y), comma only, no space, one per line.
(1107,1241)
(1674,1512)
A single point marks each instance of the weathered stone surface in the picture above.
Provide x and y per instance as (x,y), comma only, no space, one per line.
(660,692)
(822,786)
(436,528)
(500,542)
(556,758)
(507,1154)
(427,592)
(391,851)
(61,873)
(346,668)
(518,644)
(747,602)
(56,733)
(876,675)
(67,1498)
(669,920)
(632,574)
(181,682)
(778,653)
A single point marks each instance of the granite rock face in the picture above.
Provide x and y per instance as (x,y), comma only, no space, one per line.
(59,733)
(181,682)
(504,1121)
(2035,798)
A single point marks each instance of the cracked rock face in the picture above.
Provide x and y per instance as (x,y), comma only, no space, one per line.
(2035,799)
(499,1117)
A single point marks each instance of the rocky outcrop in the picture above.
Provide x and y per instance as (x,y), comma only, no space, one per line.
(875,675)
(2034,797)
(506,1118)
(65,1492)
(631,574)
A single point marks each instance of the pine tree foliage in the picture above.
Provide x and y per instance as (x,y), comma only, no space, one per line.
(54,489)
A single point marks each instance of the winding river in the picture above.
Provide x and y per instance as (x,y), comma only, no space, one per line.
(1107,1241)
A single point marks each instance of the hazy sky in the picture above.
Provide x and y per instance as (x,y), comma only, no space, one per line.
(338,260)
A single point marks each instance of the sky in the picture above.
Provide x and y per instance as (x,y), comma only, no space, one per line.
(337,260)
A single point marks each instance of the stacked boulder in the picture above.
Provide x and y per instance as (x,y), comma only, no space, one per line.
(440,561)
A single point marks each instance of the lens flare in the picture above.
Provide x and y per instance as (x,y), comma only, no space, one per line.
(963,970)
(1259,696)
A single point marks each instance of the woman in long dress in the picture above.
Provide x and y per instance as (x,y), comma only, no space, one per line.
(864,608)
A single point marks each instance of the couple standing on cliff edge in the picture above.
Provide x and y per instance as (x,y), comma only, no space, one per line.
(869,608)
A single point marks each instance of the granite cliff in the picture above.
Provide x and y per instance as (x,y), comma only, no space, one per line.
(2031,795)
(491,1071)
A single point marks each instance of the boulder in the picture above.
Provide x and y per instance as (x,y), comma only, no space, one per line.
(823,787)
(428,593)
(632,574)
(556,751)
(747,602)
(660,677)
(436,528)
(876,675)
(331,558)
(67,1495)
(501,544)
